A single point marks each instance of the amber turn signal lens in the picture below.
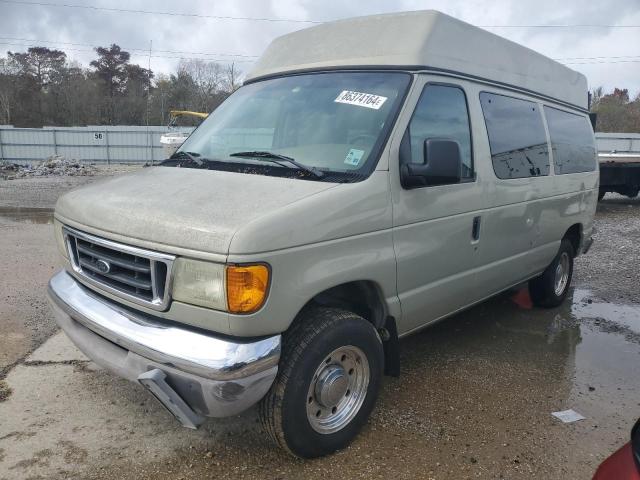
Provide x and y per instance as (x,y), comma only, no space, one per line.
(246,287)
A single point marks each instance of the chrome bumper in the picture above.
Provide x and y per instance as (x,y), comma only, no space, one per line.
(215,377)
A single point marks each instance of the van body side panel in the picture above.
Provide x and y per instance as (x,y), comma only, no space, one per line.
(432,234)
(514,225)
(522,222)
(573,200)
(527,218)
(539,223)
(435,266)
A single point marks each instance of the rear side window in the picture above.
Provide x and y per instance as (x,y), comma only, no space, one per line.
(516,136)
(572,141)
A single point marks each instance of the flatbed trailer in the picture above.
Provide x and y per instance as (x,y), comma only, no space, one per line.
(619,158)
(619,173)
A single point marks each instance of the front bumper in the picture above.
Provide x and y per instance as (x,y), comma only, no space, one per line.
(214,376)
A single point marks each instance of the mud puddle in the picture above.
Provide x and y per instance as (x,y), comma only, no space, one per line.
(26,215)
(585,306)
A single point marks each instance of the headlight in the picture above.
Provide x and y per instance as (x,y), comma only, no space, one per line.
(235,288)
(199,283)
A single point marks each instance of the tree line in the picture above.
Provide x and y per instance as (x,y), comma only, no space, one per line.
(616,112)
(43,87)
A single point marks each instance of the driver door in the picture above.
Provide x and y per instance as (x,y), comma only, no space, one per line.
(437,229)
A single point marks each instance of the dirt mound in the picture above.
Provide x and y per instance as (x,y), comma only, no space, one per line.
(56,165)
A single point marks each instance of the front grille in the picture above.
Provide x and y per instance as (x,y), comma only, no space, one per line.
(139,275)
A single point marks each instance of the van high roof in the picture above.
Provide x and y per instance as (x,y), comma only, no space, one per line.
(421,40)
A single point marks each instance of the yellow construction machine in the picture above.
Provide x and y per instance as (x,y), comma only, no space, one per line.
(172,140)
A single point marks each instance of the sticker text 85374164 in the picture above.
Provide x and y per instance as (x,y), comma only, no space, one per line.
(360,99)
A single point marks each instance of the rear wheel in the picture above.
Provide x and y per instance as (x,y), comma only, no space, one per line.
(551,288)
(327,385)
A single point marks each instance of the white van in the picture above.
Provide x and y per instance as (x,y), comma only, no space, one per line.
(371,177)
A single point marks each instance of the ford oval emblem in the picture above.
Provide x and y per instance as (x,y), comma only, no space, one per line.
(103,267)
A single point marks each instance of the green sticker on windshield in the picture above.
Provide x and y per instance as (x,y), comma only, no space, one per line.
(353,157)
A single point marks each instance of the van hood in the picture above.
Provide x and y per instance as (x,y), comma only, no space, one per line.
(181,207)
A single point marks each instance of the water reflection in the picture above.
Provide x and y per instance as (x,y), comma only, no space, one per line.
(26,215)
(520,363)
(584,306)
(505,325)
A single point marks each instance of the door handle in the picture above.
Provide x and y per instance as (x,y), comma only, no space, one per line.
(475,229)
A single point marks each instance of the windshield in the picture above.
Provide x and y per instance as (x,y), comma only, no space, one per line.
(334,123)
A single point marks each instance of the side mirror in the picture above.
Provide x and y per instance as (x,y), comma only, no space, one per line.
(442,165)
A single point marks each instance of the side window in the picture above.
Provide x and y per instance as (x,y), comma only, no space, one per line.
(571,141)
(442,113)
(516,136)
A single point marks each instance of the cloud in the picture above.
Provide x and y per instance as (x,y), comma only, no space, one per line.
(188,34)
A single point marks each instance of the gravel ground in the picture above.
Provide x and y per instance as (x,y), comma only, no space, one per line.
(474,399)
(611,267)
(24,313)
(42,192)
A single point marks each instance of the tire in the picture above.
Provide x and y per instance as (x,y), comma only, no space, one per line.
(550,289)
(287,411)
(601,194)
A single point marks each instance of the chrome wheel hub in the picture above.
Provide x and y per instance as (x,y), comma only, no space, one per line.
(338,389)
(562,274)
(331,386)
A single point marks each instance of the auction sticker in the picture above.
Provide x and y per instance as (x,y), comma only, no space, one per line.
(360,99)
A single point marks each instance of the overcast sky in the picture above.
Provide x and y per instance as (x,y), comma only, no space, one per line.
(87,28)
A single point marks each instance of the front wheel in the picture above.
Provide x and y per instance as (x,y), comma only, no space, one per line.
(327,385)
(551,288)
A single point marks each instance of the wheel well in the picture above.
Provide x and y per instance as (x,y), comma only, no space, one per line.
(362,297)
(365,298)
(574,235)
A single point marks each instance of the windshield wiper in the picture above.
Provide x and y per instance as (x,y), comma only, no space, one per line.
(275,157)
(190,155)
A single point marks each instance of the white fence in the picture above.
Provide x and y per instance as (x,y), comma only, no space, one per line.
(96,144)
(618,142)
(133,144)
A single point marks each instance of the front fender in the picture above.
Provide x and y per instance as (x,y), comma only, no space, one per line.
(300,273)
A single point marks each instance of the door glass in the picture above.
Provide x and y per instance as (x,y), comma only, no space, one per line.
(516,136)
(442,113)
(572,141)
